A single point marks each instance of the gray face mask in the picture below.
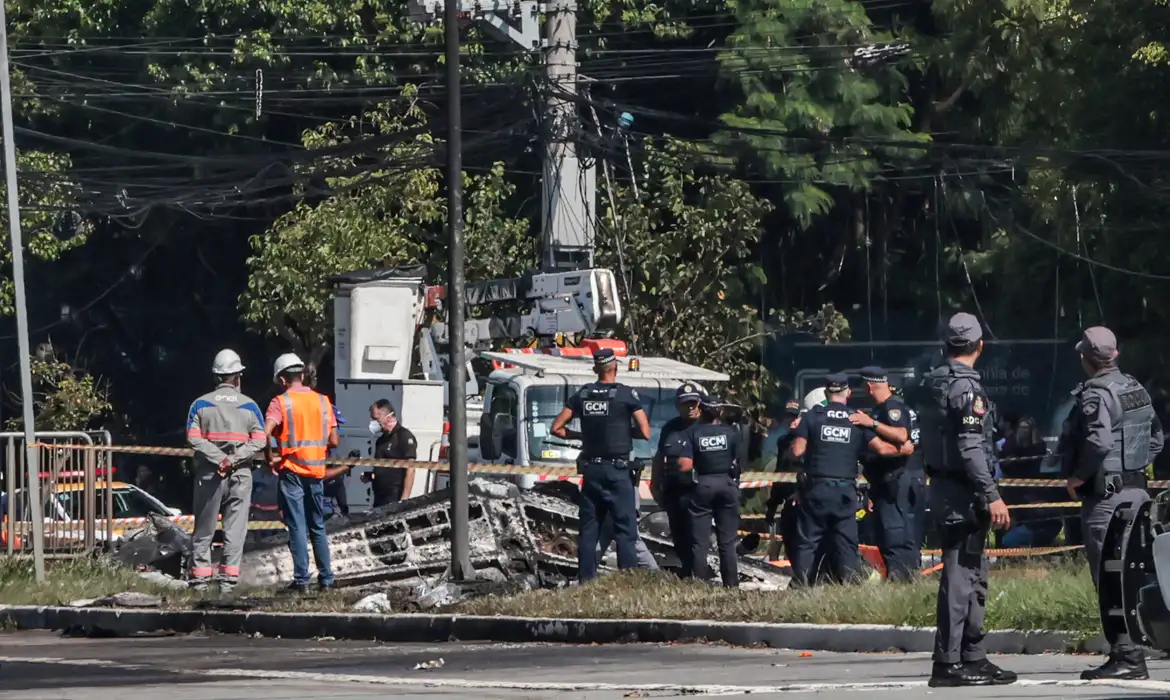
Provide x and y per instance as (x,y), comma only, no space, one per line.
(375,428)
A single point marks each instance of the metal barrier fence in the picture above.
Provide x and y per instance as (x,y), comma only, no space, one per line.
(75,492)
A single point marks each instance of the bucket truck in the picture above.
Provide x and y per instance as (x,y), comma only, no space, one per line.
(382,317)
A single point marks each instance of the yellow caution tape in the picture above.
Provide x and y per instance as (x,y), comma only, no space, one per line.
(750,480)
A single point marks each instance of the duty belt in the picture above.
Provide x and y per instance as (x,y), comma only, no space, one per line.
(618,461)
(1125,480)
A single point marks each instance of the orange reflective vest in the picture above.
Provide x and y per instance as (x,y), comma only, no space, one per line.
(304,432)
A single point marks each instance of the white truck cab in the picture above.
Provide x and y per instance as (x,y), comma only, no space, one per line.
(525,393)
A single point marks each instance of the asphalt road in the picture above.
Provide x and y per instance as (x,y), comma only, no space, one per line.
(44,666)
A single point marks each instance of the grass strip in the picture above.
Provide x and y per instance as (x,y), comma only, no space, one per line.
(1035,596)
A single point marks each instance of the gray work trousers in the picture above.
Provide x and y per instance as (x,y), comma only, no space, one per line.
(962,594)
(215,496)
(1096,513)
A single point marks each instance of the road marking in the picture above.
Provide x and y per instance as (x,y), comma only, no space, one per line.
(483,684)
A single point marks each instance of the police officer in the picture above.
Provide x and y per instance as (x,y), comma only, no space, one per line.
(897,484)
(668,492)
(610,417)
(707,460)
(1111,436)
(828,486)
(958,453)
(781,492)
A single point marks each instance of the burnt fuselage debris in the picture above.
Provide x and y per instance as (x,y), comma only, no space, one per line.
(526,538)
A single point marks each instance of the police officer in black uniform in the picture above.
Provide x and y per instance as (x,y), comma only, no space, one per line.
(782,492)
(828,486)
(611,417)
(706,454)
(1111,436)
(668,492)
(897,484)
(957,448)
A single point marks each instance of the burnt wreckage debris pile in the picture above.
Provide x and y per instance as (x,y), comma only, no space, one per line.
(523,539)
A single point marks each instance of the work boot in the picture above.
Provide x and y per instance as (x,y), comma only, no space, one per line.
(322,586)
(200,586)
(957,675)
(299,588)
(1118,668)
(998,675)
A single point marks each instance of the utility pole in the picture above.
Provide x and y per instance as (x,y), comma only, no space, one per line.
(33,487)
(570,191)
(461,568)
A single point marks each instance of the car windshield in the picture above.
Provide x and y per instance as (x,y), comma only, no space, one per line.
(131,503)
(545,402)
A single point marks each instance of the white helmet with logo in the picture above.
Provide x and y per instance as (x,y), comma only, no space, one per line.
(816,397)
(285,362)
(227,362)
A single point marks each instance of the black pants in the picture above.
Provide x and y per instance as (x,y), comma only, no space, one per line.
(606,491)
(896,502)
(675,505)
(715,498)
(828,511)
(1096,514)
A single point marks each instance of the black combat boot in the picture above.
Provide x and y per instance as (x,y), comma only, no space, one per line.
(1118,668)
(957,676)
(998,675)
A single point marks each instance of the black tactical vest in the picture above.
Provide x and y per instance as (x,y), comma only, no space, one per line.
(1131,413)
(715,448)
(833,443)
(938,440)
(605,423)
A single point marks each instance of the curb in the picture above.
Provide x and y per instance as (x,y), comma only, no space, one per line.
(444,628)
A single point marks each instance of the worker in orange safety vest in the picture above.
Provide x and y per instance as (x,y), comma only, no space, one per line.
(304,427)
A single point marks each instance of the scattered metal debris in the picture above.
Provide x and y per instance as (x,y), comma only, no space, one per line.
(519,540)
(375,603)
(129,599)
(428,665)
(161,545)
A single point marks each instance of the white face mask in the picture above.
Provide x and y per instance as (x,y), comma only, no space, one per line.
(375,428)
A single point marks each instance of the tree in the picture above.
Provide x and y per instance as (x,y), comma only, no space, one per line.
(684,246)
(393,216)
(64,397)
(807,113)
(49,220)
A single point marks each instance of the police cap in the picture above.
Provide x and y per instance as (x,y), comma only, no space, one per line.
(792,408)
(837,382)
(1098,344)
(689,393)
(874,375)
(711,400)
(962,329)
(603,357)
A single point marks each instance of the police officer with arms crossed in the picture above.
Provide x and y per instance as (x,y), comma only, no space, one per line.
(1111,436)
(828,486)
(664,482)
(958,451)
(896,484)
(706,454)
(605,409)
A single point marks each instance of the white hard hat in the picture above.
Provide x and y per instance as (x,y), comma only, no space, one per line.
(816,397)
(227,362)
(285,362)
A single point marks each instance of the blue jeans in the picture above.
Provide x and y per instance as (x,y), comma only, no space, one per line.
(302,501)
(606,491)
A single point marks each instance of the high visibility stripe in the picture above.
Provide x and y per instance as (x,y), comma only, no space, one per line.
(296,459)
(236,437)
(202,571)
(300,455)
(257,435)
(229,570)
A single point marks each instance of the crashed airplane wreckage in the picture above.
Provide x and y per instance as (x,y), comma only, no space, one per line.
(517,536)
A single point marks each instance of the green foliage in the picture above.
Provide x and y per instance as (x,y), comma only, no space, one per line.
(65,398)
(806,115)
(49,225)
(684,247)
(393,216)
